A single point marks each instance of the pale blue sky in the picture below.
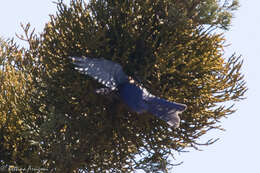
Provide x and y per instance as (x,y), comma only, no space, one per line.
(238,148)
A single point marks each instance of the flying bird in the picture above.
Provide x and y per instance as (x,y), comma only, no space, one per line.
(137,98)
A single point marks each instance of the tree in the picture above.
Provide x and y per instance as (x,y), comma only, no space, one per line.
(17,110)
(168,45)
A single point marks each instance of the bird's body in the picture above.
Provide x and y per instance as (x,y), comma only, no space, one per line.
(132,96)
(138,99)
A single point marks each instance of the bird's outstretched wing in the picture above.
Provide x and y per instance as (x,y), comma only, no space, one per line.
(106,72)
(104,91)
(163,109)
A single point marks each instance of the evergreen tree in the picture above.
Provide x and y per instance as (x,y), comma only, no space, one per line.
(169,46)
(18,107)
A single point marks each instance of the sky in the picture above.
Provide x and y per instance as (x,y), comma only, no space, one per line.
(238,149)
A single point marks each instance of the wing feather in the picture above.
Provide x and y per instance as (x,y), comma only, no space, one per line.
(106,72)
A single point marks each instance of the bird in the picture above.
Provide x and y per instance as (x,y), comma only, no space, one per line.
(136,97)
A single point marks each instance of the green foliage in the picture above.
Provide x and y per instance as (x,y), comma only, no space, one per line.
(16,98)
(53,114)
(214,13)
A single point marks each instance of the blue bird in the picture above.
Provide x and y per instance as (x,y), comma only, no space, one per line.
(137,98)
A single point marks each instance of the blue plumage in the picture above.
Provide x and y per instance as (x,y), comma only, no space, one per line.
(138,99)
(132,96)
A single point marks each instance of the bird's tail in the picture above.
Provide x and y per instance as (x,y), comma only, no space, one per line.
(166,110)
